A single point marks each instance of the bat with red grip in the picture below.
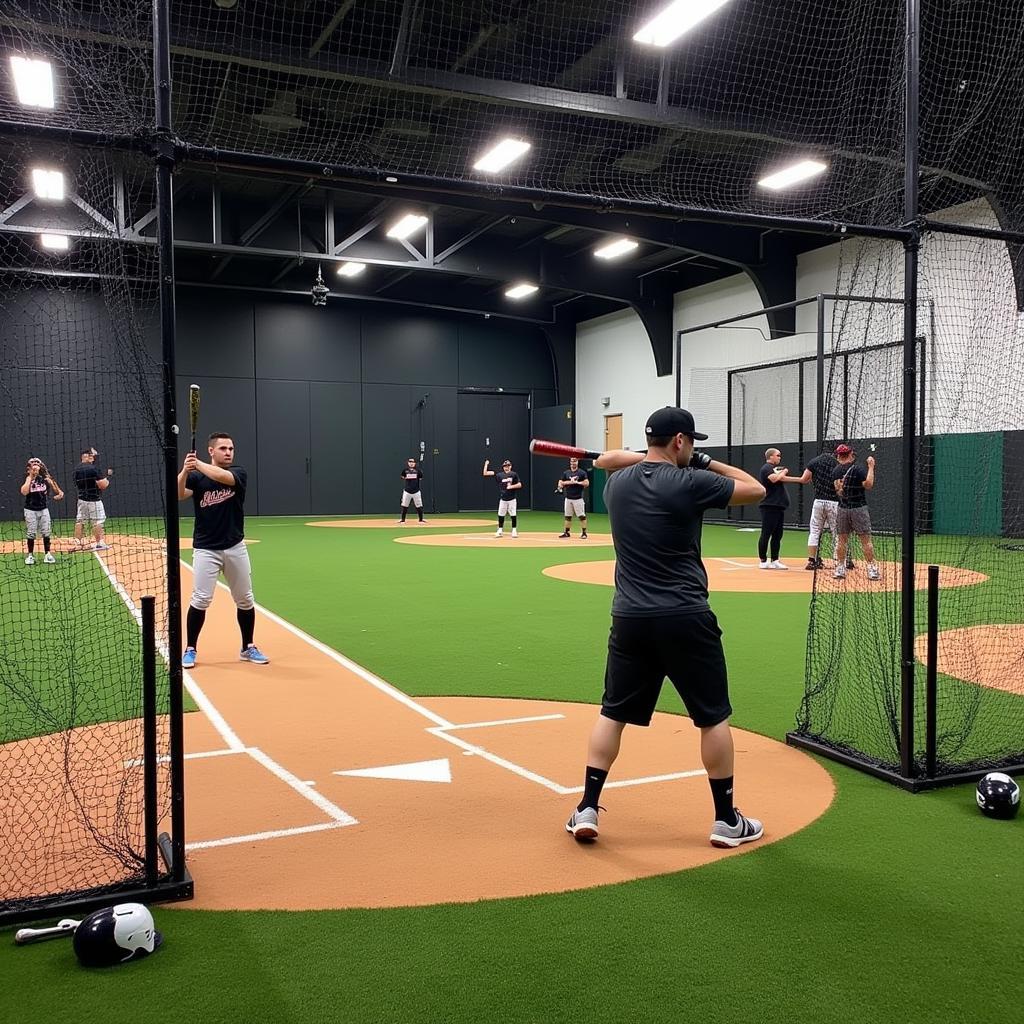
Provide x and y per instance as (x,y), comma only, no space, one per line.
(558,450)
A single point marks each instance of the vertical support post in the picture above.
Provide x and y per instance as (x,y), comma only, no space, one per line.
(800,436)
(819,405)
(910,268)
(728,426)
(679,368)
(149,752)
(931,730)
(165,159)
(216,229)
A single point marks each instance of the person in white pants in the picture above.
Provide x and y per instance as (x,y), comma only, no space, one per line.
(36,487)
(509,484)
(217,489)
(412,477)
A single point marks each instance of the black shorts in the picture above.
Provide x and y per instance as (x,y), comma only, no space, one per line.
(685,648)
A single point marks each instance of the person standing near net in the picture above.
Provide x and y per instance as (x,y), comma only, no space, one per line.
(773,507)
(662,624)
(217,490)
(509,484)
(819,472)
(91,484)
(36,488)
(572,485)
(851,484)
(411,477)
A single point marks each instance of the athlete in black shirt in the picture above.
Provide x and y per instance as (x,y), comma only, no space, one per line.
(572,484)
(91,484)
(37,516)
(217,490)
(851,484)
(411,477)
(661,622)
(823,512)
(773,478)
(509,484)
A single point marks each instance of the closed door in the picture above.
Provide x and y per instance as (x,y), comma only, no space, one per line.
(612,432)
(282,441)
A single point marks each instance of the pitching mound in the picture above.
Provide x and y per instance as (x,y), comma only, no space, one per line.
(986,655)
(66,545)
(394,524)
(743,574)
(508,542)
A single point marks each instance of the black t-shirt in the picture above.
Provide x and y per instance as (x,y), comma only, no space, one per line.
(853,477)
(412,478)
(822,468)
(219,510)
(35,500)
(504,479)
(572,489)
(656,512)
(86,478)
(775,495)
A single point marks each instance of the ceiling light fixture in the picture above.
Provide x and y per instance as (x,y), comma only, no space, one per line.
(48,184)
(617,248)
(408,225)
(58,243)
(679,17)
(791,175)
(351,269)
(33,81)
(520,291)
(498,157)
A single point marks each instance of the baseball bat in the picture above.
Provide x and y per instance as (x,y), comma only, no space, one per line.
(24,936)
(560,451)
(193,412)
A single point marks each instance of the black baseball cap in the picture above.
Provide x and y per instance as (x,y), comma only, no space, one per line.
(670,421)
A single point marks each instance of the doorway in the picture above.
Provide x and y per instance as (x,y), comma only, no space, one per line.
(612,432)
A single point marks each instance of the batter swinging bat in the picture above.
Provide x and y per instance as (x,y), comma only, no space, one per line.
(560,451)
(193,412)
(23,936)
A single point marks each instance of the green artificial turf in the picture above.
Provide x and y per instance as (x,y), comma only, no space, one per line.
(891,908)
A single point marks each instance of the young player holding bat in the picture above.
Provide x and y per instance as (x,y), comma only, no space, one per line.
(662,624)
(509,483)
(217,489)
(572,484)
(37,516)
(91,484)
(411,477)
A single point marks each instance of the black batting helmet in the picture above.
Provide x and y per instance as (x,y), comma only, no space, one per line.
(116,934)
(998,796)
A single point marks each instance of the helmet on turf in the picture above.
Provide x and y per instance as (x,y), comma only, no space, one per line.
(116,934)
(998,796)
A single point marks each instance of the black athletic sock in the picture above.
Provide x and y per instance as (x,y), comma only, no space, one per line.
(247,624)
(31,544)
(593,783)
(721,791)
(501,522)
(46,545)
(404,510)
(419,512)
(193,625)
(513,522)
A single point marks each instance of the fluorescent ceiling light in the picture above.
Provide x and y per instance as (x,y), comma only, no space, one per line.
(58,243)
(617,248)
(500,156)
(410,223)
(33,81)
(520,291)
(674,20)
(791,175)
(351,269)
(48,184)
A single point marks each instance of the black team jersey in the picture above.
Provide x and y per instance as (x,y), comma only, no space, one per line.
(219,510)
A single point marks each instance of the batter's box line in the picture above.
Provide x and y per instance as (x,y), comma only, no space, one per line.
(443,732)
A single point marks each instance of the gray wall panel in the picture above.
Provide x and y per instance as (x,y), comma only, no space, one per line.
(303,342)
(505,355)
(402,349)
(282,411)
(336,451)
(214,334)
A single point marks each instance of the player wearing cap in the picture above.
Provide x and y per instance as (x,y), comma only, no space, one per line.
(411,477)
(851,484)
(91,484)
(36,487)
(826,505)
(572,484)
(509,483)
(662,624)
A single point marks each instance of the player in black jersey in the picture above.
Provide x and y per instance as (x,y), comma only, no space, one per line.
(38,483)
(572,484)
(509,484)
(412,475)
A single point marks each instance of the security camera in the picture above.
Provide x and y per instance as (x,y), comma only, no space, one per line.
(319,290)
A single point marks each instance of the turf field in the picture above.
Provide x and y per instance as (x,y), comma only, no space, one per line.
(890,908)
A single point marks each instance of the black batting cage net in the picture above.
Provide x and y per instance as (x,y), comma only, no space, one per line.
(608,113)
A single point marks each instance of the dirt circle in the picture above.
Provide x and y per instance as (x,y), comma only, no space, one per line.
(507,542)
(743,574)
(394,524)
(154,546)
(990,655)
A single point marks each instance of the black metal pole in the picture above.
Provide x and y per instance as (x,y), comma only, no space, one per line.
(800,436)
(931,730)
(910,268)
(165,161)
(819,403)
(679,368)
(728,428)
(149,751)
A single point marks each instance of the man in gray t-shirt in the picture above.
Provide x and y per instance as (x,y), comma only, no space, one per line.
(661,622)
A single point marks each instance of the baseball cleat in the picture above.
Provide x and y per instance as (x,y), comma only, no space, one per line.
(49,559)
(188,659)
(764,565)
(564,533)
(515,532)
(583,535)
(812,564)
(30,559)
(498,533)
(582,825)
(873,573)
(840,573)
(746,830)
(779,565)
(254,656)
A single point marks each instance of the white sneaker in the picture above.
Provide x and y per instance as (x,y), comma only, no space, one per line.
(30,560)
(49,559)
(764,565)
(873,573)
(515,532)
(497,533)
(778,565)
(840,573)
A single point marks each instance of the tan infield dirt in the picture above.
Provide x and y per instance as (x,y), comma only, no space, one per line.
(391,523)
(990,656)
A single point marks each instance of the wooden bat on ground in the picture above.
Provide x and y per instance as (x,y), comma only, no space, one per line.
(193,412)
(24,936)
(560,451)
